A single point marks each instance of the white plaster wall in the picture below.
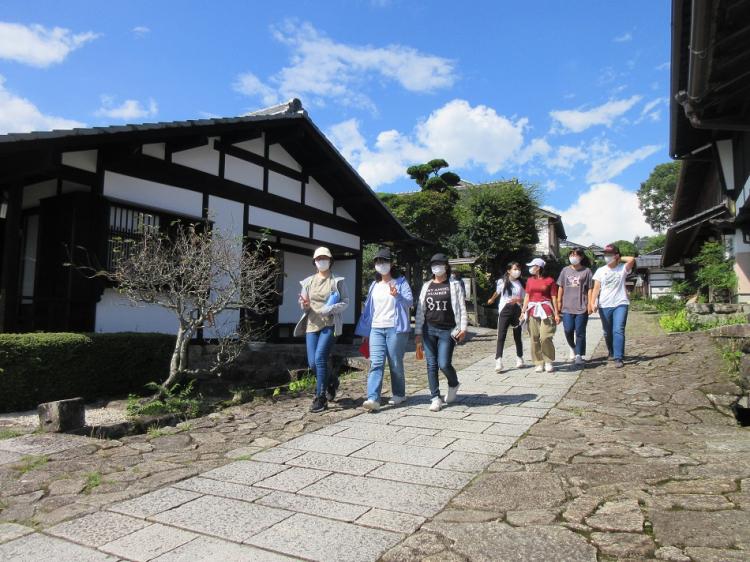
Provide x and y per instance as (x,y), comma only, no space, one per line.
(317,197)
(743,196)
(542,227)
(296,268)
(348,270)
(277,221)
(114,313)
(31,237)
(156,149)
(335,236)
(227,220)
(203,158)
(284,186)
(277,153)
(243,172)
(256,146)
(152,194)
(341,212)
(34,193)
(81,159)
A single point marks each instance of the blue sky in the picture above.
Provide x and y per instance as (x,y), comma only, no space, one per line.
(568,94)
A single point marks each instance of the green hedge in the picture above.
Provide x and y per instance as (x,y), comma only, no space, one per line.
(42,367)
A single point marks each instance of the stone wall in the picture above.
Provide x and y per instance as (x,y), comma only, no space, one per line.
(711,313)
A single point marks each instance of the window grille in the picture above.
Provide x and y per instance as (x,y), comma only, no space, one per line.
(126,226)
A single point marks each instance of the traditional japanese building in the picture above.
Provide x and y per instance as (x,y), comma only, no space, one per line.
(710,131)
(271,171)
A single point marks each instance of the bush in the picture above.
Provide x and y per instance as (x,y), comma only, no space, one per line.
(677,322)
(180,400)
(43,367)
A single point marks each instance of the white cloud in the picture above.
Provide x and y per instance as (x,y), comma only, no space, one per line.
(607,163)
(604,213)
(322,69)
(250,85)
(663,66)
(566,157)
(19,115)
(39,46)
(550,186)
(651,110)
(578,120)
(140,30)
(129,109)
(624,38)
(466,136)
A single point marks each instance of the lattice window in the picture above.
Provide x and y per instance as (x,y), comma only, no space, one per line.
(126,226)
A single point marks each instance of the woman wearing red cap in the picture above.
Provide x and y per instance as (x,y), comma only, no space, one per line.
(323,299)
(541,307)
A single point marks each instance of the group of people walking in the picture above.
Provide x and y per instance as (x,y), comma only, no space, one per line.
(441,318)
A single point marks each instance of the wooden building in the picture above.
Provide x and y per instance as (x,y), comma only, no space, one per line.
(710,131)
(272,170)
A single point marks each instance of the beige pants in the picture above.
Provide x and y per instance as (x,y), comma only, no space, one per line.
(541,333)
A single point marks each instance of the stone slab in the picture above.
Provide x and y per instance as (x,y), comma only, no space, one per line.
(221,489)
(451,479)
(154,502)
(8,457)
(434,441)
(404,454)
(435,422)
(391,521)
(396,496)
(292,479)
(11,531)
(510,491)
(335,463)
(278,455)
(465,462)
(98,528)
(717,529)
(244,472)
(225,518)
(378,433)
(482,447)
(507,429)
(148,543)
(326,444)
(313,506)
(316,538)
(45,444)
(208,549)
(488,437)
(503,418)
(36,547)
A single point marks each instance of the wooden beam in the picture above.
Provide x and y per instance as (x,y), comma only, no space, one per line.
(195,180)
(178,145)
(241,136)
(285,135)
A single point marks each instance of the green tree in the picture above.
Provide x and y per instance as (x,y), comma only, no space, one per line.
(626,248)
(428,176)
(497,222)
(651,243)
(716,273)
(656,195)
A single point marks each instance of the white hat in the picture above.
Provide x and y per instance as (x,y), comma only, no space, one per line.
(322,251)
(539,262)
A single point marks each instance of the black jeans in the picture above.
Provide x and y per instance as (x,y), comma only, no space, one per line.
(508,317)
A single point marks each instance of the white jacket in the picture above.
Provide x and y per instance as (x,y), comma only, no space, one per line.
(457,302)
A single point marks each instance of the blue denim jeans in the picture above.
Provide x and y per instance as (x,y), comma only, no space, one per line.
(438,353)
(319,346)
(574,326)
(613,324)
(390,344)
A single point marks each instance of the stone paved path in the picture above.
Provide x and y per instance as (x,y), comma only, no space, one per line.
(349,491)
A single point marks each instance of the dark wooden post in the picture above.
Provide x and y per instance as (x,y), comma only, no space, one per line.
(10,282)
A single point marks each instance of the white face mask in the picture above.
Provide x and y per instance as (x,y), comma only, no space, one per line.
(383,268)
(515,273)
(533,269)
(323,265)
(574,260)
(609,259)
(438,270)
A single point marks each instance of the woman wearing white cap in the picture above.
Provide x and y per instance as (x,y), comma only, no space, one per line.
(541,305)
(323,299)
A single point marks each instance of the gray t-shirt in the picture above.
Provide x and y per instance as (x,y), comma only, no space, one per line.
(575,285)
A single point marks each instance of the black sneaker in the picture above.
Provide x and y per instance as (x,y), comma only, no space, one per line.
(319,404)
(332,389)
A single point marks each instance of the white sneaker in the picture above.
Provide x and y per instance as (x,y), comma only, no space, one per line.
(519,362)
(549,367)
(451,396)
(572,354)
(371,405)
(539,369)
(396,400)
(579,360)
(499,365)
(436,404)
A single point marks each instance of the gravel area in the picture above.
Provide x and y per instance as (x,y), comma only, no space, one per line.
(96,414)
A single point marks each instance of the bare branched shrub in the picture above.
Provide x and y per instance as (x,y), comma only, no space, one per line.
(198,273)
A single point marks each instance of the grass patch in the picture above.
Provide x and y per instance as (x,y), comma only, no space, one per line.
(93,480)
(155,431)
(30,462)
(577,411)
(177,399)
(9,433)
(731,356)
